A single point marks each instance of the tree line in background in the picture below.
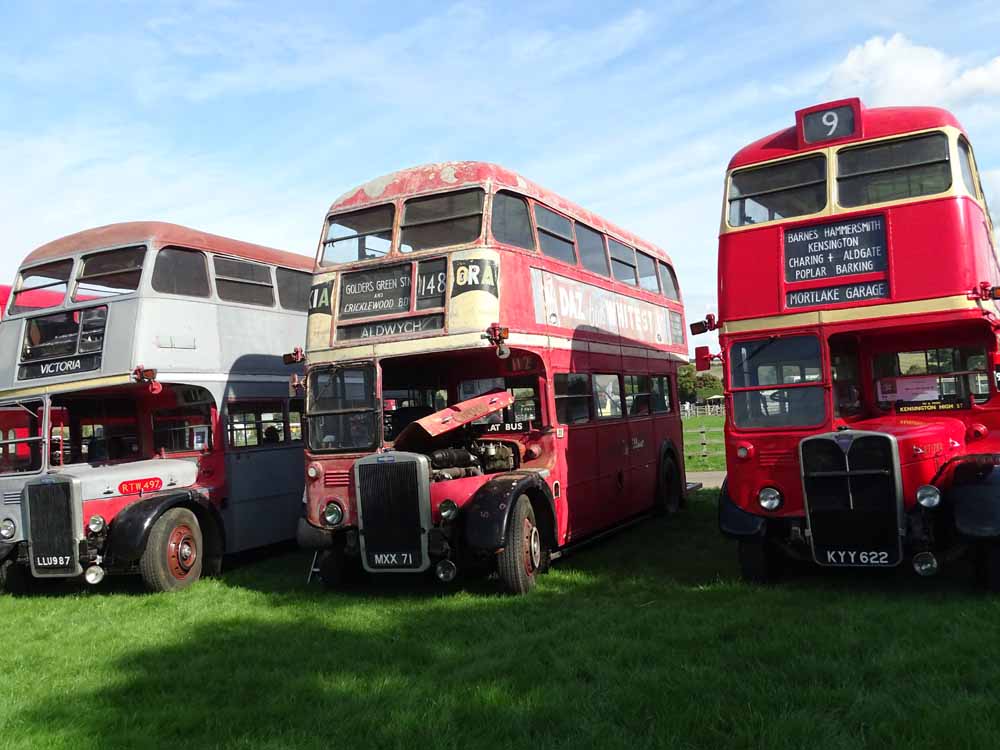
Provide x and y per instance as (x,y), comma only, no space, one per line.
(695,387)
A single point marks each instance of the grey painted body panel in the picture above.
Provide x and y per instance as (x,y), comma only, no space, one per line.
(232,350)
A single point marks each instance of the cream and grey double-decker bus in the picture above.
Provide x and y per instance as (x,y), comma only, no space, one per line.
(144,405)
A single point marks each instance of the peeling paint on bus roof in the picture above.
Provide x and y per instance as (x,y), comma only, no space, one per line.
(429,178)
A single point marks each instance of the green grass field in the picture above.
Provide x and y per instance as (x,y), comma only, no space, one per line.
(645,640)
(692,444)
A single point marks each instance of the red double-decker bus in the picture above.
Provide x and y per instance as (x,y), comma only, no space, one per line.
(490,377)
(858,324)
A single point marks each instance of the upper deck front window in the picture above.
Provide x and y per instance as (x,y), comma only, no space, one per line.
(109,273)
(893,170)
(777,191)
(42,286)
(442,220)
(359,235)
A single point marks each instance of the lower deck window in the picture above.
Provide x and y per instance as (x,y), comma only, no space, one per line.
(928,379)
(187,428)
(574,399)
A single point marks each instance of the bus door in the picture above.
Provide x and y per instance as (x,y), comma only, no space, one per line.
(611,500)
(577,447)
(265,472)
(642,448)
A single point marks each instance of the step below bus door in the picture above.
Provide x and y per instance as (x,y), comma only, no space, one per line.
(264,491)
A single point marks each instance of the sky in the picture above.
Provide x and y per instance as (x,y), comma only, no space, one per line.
(247,119)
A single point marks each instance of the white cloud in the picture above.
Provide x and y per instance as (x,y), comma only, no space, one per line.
(75,178)
(895,71)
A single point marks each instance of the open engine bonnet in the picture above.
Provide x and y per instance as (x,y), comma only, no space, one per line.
(453,451)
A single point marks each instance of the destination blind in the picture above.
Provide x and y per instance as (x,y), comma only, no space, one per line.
(843,248)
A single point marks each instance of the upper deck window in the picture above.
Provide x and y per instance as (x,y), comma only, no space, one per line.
(893,170)
(442,220)
(293,288)
(511,223)
(965,159)
(239,281)
(359,235)
(179,271)
(623,262)
(777,191)
(647,272)
(555,235)
(42,286)
(593,256)
(109,273)
(669,280)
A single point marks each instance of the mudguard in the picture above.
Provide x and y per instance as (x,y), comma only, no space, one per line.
(487,514)
(735,522)
(976,507)
(130,528)
(7,549)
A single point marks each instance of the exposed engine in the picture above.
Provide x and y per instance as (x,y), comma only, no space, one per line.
(476,458)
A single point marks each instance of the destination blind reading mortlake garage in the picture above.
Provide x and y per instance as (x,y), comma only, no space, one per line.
(834,251)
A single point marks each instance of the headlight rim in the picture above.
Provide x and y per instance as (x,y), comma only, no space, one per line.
(931,493)
(339,515)
(13,529)
(102,526)
(779,498)
(448,509)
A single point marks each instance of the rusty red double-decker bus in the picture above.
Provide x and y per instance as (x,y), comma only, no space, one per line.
(490,378)
(858,327)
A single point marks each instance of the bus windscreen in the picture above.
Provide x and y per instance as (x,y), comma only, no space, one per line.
(42,286)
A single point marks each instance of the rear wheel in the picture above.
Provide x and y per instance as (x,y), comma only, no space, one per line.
(760,561)
(669,497)
(172,559)
(523,554)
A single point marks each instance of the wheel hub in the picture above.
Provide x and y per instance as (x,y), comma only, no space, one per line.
(182,551)
(532,547)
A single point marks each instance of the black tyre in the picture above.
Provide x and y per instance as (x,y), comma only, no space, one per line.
(524,554)
(760,561)
(14,579)
(172,559)
(988,567)
(669,494)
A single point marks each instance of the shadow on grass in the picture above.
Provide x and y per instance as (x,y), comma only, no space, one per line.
(646,640)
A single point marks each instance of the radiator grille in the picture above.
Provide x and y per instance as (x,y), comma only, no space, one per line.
(51,534)
(389,501)
(851,495)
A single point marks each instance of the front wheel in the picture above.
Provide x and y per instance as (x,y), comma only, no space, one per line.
(760,561)
(173,556)
(523,555)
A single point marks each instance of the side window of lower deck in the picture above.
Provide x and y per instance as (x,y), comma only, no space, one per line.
(661,395)
(574,399)
(607,396)
(637,395)
(256,423)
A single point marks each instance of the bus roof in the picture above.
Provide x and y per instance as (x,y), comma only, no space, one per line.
(878,123)
(162,233)
(452,175)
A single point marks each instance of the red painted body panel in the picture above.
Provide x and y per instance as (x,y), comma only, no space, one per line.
(939,252)
(878,123)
